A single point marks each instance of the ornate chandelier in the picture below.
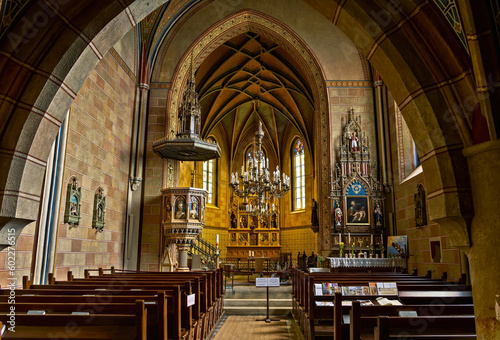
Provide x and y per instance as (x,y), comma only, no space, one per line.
(256,184)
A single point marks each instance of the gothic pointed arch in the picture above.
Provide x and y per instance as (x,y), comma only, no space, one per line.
(310,70)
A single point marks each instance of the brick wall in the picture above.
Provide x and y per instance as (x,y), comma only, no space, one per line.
(98,153)
(153,181)
(23,257)
(405,186)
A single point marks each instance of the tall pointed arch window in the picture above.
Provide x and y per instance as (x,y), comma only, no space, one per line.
(299,176)
(210,179)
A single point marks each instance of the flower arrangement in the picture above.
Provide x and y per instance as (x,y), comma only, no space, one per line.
(321,259)
(370,249)
(352,249)
(382,250)
(341,249)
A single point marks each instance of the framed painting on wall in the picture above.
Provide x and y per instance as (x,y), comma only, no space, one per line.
(357,210)
(397,245)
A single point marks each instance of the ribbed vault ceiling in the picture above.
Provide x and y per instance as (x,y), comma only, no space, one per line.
(251,78)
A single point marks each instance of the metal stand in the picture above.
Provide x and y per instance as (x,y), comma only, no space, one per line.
(267,319)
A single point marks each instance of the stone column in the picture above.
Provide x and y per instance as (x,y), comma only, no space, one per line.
(183,257)
(484,261)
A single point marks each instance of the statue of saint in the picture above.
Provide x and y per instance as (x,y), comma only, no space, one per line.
(314,215)
(354,142)
(193,213)
(180,210)
(233,221)
(338,216)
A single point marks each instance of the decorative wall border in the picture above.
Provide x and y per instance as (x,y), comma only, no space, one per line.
(349,83)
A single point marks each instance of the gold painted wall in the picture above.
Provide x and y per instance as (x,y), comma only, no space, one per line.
(298,239)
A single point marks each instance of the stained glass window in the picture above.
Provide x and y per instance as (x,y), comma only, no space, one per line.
(210,180)
(299,178)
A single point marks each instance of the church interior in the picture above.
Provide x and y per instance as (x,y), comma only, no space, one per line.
(135,134)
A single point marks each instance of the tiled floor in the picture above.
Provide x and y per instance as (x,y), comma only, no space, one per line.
(239,327)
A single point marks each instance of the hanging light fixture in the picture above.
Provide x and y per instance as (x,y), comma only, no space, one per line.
(257,184)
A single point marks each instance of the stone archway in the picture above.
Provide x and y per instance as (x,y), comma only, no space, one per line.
(258,22)
(432,82)
(46,54)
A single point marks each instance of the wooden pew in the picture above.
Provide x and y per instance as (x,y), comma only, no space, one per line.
(317,322)
(425,327)
(97,326)
(165,308)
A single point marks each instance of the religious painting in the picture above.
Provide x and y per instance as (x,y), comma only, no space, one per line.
(233,238)
(243,239)
(180,208)
(98,219)
(357,210)
(194,209)
(73,203)
(397,246)
(274,238)
(264,239)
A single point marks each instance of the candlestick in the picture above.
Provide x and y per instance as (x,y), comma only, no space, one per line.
(371,239)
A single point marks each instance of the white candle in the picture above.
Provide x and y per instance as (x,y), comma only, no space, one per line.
(349,238)
(249,253)
(372,239)
(217,239)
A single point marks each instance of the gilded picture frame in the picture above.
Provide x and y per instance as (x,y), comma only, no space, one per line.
(357,210)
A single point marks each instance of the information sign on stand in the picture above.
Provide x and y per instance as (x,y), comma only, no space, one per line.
(267,282)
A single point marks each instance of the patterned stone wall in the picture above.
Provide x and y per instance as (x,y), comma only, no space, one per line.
(23,255)
(344,95)
(299,239)
(151,220)
(98,153)
(418,238)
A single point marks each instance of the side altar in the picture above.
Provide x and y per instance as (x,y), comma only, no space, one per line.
(357,196)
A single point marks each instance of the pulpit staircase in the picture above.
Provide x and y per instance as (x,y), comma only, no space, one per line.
(206,250)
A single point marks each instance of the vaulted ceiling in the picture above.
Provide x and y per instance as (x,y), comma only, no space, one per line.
(250,78)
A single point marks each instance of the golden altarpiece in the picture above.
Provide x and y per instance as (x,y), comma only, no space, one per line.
(251,235)
(356,193)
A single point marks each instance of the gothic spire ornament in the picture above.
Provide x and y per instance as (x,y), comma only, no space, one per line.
(188,146)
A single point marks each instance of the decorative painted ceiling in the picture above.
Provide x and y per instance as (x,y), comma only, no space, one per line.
(249,79)
(451,13)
